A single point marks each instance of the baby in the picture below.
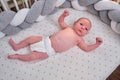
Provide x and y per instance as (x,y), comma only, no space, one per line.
(42,48)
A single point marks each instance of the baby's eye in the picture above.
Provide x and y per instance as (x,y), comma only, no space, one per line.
(81,24)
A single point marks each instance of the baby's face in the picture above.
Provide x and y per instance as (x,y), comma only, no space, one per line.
(82,26)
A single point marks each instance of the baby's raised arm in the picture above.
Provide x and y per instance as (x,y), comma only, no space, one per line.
(61,19)
(88,48)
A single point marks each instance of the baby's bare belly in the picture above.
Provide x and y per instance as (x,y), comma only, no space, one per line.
(61,45)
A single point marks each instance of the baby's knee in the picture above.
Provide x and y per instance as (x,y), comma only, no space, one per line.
(39,55)
(34,55)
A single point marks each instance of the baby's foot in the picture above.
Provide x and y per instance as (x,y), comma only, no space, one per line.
(13,44)
(15,56)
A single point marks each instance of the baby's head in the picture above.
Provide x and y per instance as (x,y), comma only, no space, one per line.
(82,26)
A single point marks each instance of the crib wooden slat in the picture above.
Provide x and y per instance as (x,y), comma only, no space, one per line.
(16,4)
(5,5)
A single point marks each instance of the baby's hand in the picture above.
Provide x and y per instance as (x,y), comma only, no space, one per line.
(99,40)
(65,13)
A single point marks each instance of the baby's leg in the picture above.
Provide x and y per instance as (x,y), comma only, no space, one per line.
(29,57)
(24,43)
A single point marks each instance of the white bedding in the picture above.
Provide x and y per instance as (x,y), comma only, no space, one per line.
(73,64)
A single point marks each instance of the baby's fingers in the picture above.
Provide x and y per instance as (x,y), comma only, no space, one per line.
(66,12)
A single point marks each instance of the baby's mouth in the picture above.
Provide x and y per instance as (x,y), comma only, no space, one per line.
(80,31)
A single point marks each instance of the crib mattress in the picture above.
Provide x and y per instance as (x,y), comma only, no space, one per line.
(73,64)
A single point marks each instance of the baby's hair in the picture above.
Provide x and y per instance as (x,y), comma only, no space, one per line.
(86,19)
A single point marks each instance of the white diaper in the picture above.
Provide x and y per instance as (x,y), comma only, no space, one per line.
(43,46)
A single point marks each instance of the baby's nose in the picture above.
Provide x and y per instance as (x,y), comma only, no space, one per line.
(82,27)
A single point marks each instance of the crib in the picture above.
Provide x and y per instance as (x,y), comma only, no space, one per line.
(73,64)
(8,4)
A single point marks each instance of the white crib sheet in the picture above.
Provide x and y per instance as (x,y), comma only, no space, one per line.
(73,64)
